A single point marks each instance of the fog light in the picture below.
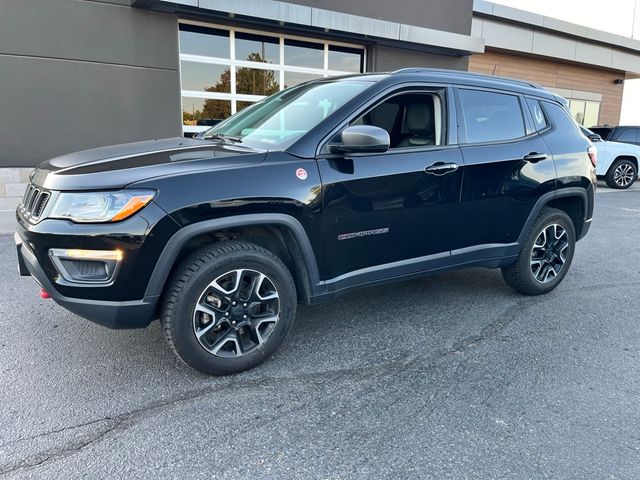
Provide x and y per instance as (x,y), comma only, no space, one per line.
(90,254)
(86,266)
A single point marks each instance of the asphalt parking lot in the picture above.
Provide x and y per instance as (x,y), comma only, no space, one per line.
(451,376)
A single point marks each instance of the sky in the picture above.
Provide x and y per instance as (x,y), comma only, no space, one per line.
(616,16)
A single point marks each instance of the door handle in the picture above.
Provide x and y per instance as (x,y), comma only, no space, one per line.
(441,168)
(534,157)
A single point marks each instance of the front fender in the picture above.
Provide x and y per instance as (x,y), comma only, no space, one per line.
(181,237)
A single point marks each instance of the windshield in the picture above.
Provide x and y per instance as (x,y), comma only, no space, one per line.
(281,119)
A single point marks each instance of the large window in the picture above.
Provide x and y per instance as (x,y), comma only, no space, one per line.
(585,112)
(225,70)
(490,117)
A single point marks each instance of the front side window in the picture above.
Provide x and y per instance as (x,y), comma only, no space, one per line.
(280,120)
(490,116)
(412,120)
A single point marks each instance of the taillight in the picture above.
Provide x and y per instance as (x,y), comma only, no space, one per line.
(593,155)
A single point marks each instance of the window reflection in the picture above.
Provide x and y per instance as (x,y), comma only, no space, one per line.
(345,59)
(210,42)
(213,72)
(257,48)
(242,105)
(294,78)
(204,111)
(255,81)
(205,77)
(303,54)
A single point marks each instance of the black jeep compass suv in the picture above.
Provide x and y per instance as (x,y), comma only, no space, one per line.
(331,185)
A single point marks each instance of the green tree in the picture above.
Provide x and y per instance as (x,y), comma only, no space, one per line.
(248,81)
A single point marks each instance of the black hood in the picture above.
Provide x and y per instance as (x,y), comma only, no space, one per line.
(120,165)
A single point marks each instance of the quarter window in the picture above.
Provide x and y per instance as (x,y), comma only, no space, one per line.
(491,117)
(539,119)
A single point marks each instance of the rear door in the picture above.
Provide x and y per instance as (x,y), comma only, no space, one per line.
(508,166)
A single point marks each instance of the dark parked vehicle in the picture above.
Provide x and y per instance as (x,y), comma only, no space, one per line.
(626,134)
(328,186)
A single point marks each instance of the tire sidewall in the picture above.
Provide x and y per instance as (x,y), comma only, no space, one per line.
(525,258)
(609,178)
(184,338)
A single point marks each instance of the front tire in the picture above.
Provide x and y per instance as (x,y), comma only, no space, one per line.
(228,307)
(622,174)
(545,256)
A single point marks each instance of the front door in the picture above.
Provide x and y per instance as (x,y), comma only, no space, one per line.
(400,207)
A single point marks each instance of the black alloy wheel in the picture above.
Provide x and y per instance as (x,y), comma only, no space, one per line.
(545,256)
(622,174)
(228,307)
(236,313)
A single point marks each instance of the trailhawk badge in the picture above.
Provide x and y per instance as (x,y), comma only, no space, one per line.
(365,233)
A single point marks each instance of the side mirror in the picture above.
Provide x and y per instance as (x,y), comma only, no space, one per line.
(594,137)
(362,139)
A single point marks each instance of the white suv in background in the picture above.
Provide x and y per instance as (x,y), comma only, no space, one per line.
(617,162)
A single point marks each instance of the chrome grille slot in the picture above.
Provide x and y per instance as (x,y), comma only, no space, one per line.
(40,204)
(30,199)
(34,202)
(27,193)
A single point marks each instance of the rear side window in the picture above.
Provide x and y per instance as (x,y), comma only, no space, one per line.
(491,117)
(627,135)
(539,120)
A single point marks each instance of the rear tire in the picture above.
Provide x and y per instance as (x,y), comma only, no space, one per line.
(228,307)
(545,256)
(622,174)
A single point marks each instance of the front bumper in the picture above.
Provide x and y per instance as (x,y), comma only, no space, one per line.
(111,314)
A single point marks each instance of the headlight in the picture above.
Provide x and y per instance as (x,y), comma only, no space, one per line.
(95,207)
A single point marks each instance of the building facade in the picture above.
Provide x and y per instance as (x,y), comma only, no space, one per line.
(77,74)
(588,67)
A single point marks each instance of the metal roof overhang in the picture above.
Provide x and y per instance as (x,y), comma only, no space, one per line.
(320,22)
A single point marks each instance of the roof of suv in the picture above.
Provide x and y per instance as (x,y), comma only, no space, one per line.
(464,78)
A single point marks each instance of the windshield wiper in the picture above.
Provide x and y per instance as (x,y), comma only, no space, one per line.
(224,138)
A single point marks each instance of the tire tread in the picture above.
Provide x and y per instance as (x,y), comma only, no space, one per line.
(518,275)
(190,267)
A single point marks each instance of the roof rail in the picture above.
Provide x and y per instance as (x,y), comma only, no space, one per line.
(461,73)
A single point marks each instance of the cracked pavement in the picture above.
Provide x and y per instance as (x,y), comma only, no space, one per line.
(450,376)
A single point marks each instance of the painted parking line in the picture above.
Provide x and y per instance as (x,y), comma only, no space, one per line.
(612,190)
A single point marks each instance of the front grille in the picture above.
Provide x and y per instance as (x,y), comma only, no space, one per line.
(33,203)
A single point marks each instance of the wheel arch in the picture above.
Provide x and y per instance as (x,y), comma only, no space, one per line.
(282,234)
(574,201)
(631,158)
